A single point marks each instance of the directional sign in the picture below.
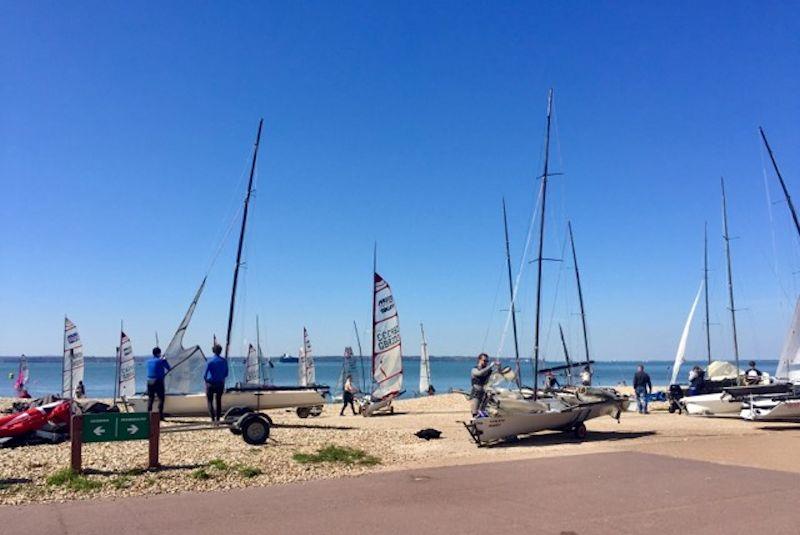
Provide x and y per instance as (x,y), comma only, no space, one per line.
(115,426)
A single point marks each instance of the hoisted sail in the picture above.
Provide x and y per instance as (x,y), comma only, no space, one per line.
(680,355)
(387,353)
(127,367)
(72,367)
(424,365)
(23,374)
(789,363)
(252,375)
(305,365)
(186,375)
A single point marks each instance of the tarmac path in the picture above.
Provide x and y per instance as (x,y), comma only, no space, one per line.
(603,493)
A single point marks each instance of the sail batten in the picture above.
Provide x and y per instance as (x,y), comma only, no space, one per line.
(387,353)
(680,355)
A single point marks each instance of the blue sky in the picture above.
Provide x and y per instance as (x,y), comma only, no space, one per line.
(126,129)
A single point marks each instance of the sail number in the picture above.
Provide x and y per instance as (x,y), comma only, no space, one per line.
(388,338)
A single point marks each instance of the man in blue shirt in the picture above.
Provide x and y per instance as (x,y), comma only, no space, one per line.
(216,373)
(157,369)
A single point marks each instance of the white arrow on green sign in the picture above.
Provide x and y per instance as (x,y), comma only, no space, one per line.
(116,426)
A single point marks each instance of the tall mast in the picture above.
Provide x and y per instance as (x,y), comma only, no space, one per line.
(705,288)
(241,239)
(566,355)
(727,239)
(374,296)
(580,293)
(511,296)
(539,259)
(360,356)
(258,352)
(780,177)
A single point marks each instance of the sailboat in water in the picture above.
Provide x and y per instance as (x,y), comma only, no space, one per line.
(519,410)
(23,377)
(424,365)
(184,381)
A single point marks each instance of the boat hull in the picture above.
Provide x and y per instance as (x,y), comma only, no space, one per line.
(257,400)
(769,410)
(711,405)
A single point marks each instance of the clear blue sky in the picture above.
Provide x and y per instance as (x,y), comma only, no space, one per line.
(125,130)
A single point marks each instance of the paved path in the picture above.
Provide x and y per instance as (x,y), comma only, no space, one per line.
(617,493)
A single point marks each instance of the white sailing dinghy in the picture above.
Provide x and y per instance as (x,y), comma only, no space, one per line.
(126,369)
(517,411)
(306,372)
(387,351)
(424,365)
(72,364)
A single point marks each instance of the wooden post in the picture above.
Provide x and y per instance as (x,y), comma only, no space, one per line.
(155,435)
(75,432)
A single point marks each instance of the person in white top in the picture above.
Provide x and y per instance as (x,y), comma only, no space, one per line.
(348,395)
(586,376)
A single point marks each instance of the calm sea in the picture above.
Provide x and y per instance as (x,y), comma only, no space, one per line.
(446,373)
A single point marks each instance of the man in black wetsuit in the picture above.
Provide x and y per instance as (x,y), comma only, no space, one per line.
(479,377)
(642,386)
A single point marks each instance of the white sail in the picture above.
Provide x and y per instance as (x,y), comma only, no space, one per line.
(305,364)
(424,365)
(72,368)
(188,364)
(789,363)
(127,367)
(251,367)
(680,355)
(387,352)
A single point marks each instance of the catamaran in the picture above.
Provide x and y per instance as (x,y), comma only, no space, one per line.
(424,365)
(519,410)
(184,382)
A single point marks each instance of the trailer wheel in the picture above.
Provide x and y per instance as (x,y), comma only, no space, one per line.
(234,413)
(303,412)
(315,411)
(254,428)
(580,431)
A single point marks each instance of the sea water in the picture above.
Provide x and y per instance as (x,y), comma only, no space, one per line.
(446,373)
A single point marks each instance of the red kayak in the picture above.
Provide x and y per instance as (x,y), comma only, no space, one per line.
(22,423)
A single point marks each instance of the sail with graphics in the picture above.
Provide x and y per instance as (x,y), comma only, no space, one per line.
(387,353)
(305,365)
(188,364)
(789,363)
(252,375)
(424,364)
(126,385)
(680,355)
(72,366)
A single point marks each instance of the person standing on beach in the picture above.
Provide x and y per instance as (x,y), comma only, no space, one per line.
(348,394)
(642,386)
(479,377)
(215,375)
(157,369)
(80,390)
(586,376)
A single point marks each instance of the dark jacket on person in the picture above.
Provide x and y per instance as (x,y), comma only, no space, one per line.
(480,376)
(157,368)
(216,370)
(642,379)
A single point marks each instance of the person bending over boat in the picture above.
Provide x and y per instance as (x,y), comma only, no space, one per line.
(697,381)
(348,394)
(551,382)
(479,377)
(157,369)
(753,375)
(216,373)
(642,386)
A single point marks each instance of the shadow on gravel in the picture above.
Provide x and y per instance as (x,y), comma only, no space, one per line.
(311,426)
(568,438)
(140,471)
(795,427)
(14,481)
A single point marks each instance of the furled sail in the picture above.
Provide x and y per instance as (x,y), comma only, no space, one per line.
(127,367)
(23,374)
(387,353)
(680,355)
(188,364)
(252,375)
(305,365)
(424,365)
(72,367)
(789,363)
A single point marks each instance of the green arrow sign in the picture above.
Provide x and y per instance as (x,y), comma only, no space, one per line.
(115,426)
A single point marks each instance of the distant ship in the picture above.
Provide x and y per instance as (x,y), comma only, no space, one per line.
(286,357)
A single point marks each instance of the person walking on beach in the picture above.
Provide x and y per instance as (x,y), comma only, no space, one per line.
(642,386)
(753,375)
(215,375)
(348,394)
(479,377)
(586,376)
(157,369)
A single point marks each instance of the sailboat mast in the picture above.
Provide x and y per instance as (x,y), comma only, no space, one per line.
(241,240)
(780,177)
(539,259)
(705,289)
(511,296)
(360,356)
(727,239)
(580,293)
(566,355)
(374,303)
(258,352)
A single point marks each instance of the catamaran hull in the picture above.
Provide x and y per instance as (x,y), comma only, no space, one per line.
(711,405)
(258,400)
(775,411)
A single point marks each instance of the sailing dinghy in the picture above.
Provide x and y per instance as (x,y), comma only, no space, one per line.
(23,376)
(72,364)
(424,365)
